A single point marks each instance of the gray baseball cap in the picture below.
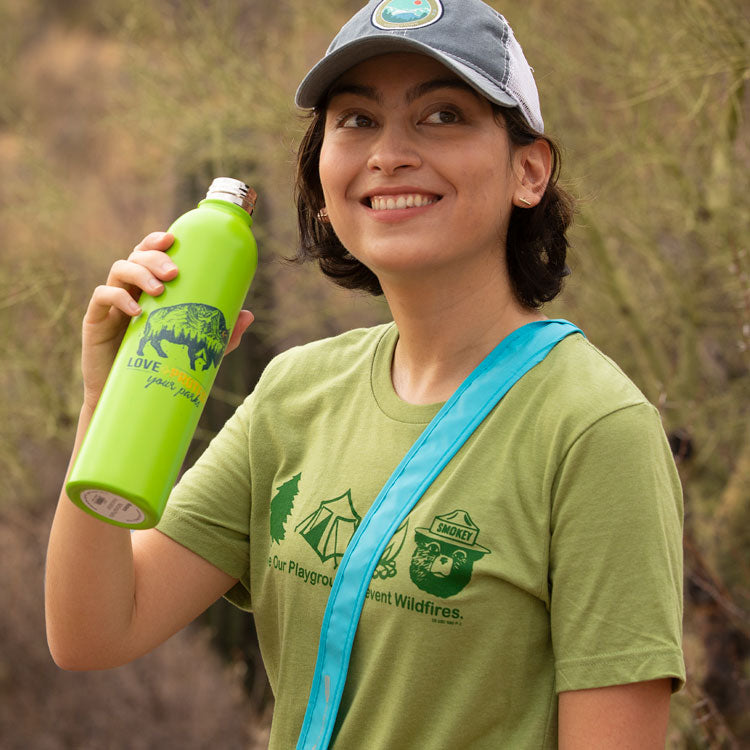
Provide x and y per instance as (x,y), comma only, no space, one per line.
(467,36)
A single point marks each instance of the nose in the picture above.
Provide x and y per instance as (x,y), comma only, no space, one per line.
(442,566)
(392,150)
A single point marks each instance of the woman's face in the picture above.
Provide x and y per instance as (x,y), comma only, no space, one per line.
(417,172)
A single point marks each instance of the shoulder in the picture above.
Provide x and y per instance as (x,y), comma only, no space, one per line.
(325,362)
(577,376)
(582,375)
(577,387)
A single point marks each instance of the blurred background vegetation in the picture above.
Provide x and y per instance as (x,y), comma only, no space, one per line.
(114,117)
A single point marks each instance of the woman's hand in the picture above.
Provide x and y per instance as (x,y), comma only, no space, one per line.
(113,305)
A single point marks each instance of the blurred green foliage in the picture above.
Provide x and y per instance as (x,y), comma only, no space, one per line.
(115,116)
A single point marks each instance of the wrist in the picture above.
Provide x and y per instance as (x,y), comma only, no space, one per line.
(87,407)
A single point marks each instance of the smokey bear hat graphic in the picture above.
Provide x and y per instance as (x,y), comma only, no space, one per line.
(444,558)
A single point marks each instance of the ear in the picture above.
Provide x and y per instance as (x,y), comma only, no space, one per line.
(532,165)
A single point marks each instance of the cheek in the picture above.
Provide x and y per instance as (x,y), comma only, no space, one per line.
(326,171)
(490,208)
(335,169)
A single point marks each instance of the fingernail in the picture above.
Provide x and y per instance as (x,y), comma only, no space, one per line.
(136,308)
(167,267)
(154,285)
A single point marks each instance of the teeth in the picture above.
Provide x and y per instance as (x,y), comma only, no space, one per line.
(411,200)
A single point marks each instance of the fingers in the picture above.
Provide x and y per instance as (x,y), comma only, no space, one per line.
(106,298)
(146,267)
(135,278)
(145,270)
(155,241)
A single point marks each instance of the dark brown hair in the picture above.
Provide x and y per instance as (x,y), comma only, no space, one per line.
(536,245)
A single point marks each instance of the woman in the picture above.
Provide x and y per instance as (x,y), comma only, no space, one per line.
(532,597)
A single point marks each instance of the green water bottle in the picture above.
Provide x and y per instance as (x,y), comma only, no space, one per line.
(167,362)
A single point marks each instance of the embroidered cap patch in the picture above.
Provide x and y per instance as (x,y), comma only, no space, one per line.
(406,14)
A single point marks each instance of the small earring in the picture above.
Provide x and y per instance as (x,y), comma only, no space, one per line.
(524,201)
(323,216)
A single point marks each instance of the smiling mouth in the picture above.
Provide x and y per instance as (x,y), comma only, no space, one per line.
(407,200)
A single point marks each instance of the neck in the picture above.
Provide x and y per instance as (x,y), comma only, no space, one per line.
(446,330)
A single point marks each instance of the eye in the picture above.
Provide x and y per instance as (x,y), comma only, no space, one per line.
(442,117)
(459,556)
(433,548)
(355,120)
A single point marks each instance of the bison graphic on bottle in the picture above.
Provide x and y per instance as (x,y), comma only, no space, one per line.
(201,328)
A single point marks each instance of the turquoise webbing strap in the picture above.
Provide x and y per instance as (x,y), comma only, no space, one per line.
(442,438)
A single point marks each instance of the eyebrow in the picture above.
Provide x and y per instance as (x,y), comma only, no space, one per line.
(439,83)
(414,93)
(367,92)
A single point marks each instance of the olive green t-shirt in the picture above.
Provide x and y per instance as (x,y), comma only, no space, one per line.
(546,557)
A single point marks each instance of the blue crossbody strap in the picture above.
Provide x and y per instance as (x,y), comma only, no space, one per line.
(442,438)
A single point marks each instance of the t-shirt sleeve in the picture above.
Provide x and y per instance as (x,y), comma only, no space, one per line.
(209,509)
(616,556)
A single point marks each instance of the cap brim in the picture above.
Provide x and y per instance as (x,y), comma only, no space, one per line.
(320,78)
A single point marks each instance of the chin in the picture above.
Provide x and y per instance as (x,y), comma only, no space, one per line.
(406,264)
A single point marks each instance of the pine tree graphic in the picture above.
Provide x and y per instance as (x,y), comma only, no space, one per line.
(281,506)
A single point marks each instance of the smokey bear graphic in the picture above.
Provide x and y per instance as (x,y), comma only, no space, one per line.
(445,554)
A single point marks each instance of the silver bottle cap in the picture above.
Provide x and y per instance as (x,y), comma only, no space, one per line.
(233,191)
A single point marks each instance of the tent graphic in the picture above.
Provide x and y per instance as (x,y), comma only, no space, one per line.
(330,528)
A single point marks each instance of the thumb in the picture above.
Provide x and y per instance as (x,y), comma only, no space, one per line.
(243,321)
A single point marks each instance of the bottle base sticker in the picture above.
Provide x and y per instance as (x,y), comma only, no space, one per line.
(112,506)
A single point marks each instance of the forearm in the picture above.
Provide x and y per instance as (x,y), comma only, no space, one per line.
(89,585)
(621,717)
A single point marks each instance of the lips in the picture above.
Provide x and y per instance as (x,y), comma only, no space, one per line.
(400,200)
